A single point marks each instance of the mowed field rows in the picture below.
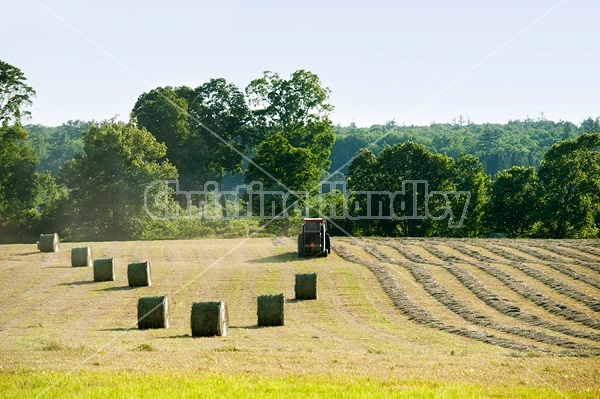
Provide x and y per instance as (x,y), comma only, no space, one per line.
(483,311)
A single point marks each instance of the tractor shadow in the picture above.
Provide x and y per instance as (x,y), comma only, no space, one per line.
(280,258)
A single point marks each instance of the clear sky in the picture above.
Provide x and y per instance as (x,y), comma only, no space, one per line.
(413,61)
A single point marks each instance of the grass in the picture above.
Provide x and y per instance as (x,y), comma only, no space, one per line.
(23,384)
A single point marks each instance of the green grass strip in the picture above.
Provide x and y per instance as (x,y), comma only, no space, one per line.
(87,384)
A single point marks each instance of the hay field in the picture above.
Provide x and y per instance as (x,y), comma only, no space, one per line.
(494,313)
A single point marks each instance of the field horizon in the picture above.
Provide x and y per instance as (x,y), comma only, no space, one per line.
(424,317)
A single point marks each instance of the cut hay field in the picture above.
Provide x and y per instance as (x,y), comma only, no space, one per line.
(394,317)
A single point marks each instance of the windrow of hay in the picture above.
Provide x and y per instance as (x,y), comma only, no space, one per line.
(104,269)
(138,274)
(153,312)
(49,242)
(209,319)
(270,310)
(81,256)
(306,286)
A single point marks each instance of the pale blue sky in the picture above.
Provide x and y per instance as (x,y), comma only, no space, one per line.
(412,61)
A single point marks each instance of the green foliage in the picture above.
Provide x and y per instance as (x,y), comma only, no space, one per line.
(590,125)
(281,105)
(470,176)
(389,172)
(569,176)
(17,180)
(107,183)
(280,165)
(56,145)
(220,129)
(49,203)
(206,129)
(292,116)
(513,206)
(498,146)
(15,94)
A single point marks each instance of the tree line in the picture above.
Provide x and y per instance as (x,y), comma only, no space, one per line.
(498,146)
(88,180)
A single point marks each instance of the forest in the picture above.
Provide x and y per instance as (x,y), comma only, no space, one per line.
(88,180)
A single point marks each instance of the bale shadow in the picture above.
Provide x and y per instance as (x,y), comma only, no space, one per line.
(280,258)
(294,300)
(84,282)
(177,336)
(117,329)
(28,253)
(57,267)
(120,288)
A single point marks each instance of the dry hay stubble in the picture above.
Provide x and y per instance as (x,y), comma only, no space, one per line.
(420,315)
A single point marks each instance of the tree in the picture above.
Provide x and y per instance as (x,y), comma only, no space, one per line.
(164,114)
(294,166)
(364,174)
(296,113)
(513,205)
(220,131)
(56,145)
(17,179)
(569,175)
(470,176)
(287,105)
(49,203)
(107,182)
(406,170)
(206,129)
(15,94)
(590,125)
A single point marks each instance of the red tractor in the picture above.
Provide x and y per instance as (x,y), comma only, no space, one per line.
(314,239)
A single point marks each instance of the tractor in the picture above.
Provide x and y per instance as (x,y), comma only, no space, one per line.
(314,239)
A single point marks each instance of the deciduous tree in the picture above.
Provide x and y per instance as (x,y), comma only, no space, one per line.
(513,205)
(108,181)
(569,175)
(15,94)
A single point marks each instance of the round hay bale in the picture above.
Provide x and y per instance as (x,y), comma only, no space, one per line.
(81,256)
(104,269)
(209,319)
(138,274)
(270,310)
(306,286)
(49,242)
(153,312)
